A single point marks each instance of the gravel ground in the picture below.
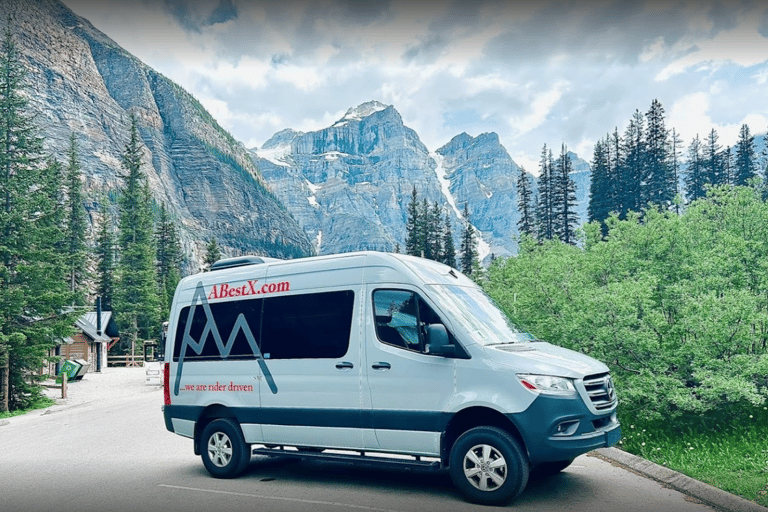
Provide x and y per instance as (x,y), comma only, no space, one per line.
(112,383)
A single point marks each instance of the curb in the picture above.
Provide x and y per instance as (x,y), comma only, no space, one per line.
(707,494)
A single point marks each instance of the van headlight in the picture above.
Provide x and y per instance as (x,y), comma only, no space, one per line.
(547,384)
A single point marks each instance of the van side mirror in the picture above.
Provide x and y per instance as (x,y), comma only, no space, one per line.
(438,342)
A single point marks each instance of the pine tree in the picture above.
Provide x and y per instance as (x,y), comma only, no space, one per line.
(425,230)
(696,175)
(212,253)
(449,249)
(526,224)
(600,188)
(136,300)
(633,165)
(435,232)
(33,288)
(412,243)
(746,157)
(469,257)
(676,144)
(564,199)
(77,223)
(659,187)
(729,166)
(106,262)
(169,259)
(616,174)
(714,162)
(545,210)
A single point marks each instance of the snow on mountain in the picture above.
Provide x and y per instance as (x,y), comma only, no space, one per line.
(349,185)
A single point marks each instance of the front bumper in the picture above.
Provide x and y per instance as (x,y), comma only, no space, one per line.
(562,428)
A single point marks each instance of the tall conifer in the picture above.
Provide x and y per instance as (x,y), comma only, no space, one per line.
(212,253)
(696,175)
(600,199)
(676,145)
(469,257)
(33,288)
(449,249)
(76,225)
(106,261)
(545,210)
(714,160)
(564,199)
(658,185)
(633,165)
(136,298)
(526,224)
(412,243)
(746,157)
(169,259)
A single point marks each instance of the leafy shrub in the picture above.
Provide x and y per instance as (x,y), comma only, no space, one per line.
(676,305)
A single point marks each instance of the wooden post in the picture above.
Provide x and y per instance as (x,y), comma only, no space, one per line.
(5,370)
(63,384)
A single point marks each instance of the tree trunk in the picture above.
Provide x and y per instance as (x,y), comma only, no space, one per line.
(5,371)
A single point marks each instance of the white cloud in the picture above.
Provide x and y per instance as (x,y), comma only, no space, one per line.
(541,104)
(742,45)
(502,67)
(689,115)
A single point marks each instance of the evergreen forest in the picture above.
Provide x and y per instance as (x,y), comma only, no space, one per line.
(49,273)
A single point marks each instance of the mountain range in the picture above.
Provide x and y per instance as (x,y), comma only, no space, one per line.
(82,82)
(342,188)
(349,185)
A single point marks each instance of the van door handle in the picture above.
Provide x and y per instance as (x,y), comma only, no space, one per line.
(344,366)
(381,366)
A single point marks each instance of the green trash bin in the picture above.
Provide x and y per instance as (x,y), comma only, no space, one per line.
(71,368)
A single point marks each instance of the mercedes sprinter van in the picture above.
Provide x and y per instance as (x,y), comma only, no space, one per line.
(361,356)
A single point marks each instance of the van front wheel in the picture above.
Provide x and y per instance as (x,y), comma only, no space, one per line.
(488,466)
(224,451)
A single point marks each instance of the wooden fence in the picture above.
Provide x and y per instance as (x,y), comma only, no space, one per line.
(126,360)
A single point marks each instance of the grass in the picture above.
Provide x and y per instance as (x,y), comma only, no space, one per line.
(40,402)
(731,454)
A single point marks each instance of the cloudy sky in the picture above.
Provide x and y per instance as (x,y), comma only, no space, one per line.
(535,72)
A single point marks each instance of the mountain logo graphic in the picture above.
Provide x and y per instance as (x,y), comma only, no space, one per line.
(211,330)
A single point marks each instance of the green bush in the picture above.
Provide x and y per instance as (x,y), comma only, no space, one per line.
(676,305)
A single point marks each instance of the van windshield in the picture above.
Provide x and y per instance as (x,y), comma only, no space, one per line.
(479,315)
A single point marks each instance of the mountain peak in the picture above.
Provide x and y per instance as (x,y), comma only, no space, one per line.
(361,112)
(281,138)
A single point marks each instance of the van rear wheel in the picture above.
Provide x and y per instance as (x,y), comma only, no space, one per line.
(488,466)
(223,449)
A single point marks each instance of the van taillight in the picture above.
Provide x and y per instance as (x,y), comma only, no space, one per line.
(166,380)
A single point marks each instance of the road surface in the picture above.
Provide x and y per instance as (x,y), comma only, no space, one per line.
(106,448)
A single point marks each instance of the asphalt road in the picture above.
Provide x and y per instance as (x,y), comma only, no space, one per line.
(106,448)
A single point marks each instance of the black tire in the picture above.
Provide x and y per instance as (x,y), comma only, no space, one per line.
(488,466)
(223,449)
(550,468)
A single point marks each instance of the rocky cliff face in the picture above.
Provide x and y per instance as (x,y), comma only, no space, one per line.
(349,185)
(482,175)
(81,81)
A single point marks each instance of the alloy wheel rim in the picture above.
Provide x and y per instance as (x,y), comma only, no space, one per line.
(485,467)
(220,449)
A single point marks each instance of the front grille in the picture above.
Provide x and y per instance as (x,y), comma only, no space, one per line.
(601,391)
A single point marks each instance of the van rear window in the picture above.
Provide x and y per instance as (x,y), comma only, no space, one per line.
(312,326)
(307,326)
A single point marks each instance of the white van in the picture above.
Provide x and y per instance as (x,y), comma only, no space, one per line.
(364,355)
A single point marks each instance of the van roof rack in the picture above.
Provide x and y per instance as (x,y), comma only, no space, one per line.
(239,261)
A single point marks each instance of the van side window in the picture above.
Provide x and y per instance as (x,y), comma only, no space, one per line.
(310,326)
(400,318)
(224,317)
